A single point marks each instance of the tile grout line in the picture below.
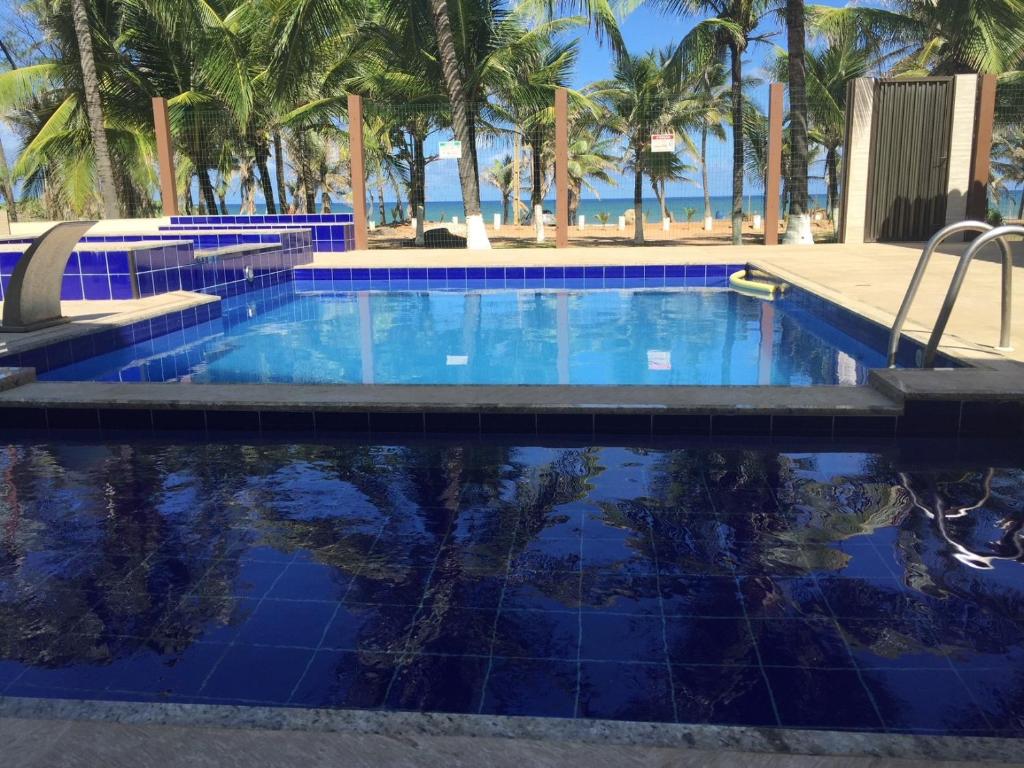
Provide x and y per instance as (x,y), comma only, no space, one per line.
(334,614)
(497,613)
(231,644)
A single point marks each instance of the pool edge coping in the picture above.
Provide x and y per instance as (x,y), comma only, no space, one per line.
(768,739)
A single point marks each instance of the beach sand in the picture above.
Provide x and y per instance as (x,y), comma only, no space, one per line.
(522,236)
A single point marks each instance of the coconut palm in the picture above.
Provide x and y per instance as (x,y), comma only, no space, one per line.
(830,68)
(501,176)
(798,223)
(939,37)
(730,29)
(1008,163)
(94,110)
(713,113)
(634,100)
(591,158)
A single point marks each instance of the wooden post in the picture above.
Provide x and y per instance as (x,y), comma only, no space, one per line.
(774,175)
(165,157)
(977,192)
(358,170)
(561,168)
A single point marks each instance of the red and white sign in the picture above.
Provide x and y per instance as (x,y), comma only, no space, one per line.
(663,142)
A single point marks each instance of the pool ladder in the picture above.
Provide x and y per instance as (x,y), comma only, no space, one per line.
(990,233)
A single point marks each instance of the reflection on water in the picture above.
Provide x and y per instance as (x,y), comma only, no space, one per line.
(839,590)
(1009,546)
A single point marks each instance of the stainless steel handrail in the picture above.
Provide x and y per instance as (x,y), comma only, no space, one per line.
(997,234)
(915,282)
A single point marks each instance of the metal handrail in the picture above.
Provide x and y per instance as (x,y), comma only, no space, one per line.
(915,282)
(997,234)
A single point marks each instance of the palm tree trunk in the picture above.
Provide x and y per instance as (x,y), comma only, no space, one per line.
(282,189)
(206,188)
(259,149)
(419,174)
(94,111)
(798,222)
(737,143)
(476,234)
(638,202)
(832,169)
(7,187)
(505,197)
(537,168)
(1020,208)
(704,172)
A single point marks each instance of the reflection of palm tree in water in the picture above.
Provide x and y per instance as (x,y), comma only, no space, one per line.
(1009,547)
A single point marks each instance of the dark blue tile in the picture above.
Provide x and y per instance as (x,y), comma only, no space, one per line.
(801,643)
(544,634)
(530,687)
(71,288)
(345,679)
(439,684)
(723,695)
(616,691)
(822,698)
(96,287)
(170,673)
(280,670)
(288,622)
(924,700)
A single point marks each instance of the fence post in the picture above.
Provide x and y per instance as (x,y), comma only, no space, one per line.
(561,168)
(977,192)
(357,170)
(165,157)
(773,177)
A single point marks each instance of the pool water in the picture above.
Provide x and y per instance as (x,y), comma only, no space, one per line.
(695,585)
(669,336)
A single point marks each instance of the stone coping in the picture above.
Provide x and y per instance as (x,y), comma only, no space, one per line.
(89,317)
(978,384)
(15,377)
(229,251)
(779,741)
(105,245)
(713,400)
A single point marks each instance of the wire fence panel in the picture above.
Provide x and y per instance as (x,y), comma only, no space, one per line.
(224,168)
(1006,186)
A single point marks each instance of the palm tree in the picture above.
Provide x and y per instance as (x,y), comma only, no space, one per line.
(500,175)
(713,113)
(830,69)
(938,37)
(1008,162)
(798,224)
(634,100)
(730,29)
(94,110)
(453,83)
(591,158)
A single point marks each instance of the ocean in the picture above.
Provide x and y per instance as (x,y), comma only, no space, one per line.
(443,210)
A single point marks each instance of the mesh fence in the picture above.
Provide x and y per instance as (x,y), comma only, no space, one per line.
(1006,187)
(224,168)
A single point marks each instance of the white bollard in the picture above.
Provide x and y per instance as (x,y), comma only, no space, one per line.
(581,222)
(622,223)
(665,224)
(757,221)
(372,224)
(709,223)
(413,223)
(455,220)
(538,222)
(497,222)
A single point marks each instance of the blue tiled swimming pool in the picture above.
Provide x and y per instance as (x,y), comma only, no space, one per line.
(625,336)
(712,584)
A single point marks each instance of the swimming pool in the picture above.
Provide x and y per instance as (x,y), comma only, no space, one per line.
(632,337)
(711,584)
